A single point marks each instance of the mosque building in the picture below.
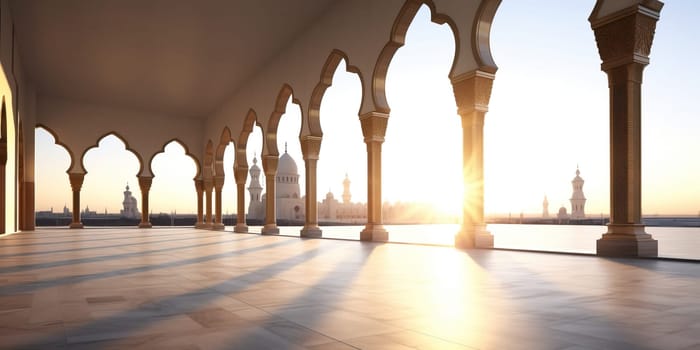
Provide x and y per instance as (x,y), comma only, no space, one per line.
(578,202)
(130,204)
(331,210)
(289,203)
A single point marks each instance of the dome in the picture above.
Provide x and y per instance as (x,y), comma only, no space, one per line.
(287,165)
(562,211)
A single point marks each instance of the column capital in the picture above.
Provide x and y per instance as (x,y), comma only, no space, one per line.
(199,185)
(145,183)
(269,163)
(310,146)
(218,182)
(625,36)
(472,91)
(76,181)
(208,184)
(374,126)
(240,173)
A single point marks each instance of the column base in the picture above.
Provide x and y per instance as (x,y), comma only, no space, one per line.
(311,231)
(240,228)
(627,241)
(475,237)
(145,225)
(270,229)
(218,227)
(75,225)
(375,233)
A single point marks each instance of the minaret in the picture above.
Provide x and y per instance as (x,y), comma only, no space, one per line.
(346,190)
(545,207)
(578,200)
(255,189)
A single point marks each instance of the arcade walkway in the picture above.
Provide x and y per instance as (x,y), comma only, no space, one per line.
(190,289)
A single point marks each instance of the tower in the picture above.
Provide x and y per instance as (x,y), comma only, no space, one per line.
(578,200)
(545,207)
(130,205)
(346,190)
(255,190)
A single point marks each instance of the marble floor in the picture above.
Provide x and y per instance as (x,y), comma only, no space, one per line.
(180,288)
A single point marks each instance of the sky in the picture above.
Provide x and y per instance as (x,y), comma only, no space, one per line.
(548,114)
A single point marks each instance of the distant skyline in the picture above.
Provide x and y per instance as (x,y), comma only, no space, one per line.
(548,113)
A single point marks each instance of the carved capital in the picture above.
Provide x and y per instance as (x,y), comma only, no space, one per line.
(145,183)
(199,185)
(76,181)
(626,36)
(241,173)
(374,126)
(219,182)
(270,165)
(472,91)
(310,146)
(208,184)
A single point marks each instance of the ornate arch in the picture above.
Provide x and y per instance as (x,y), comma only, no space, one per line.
(126,145)
(397,39)
(3,163)
(250,122)
(197,165)
(207,170)
(326,79)
(220,149)
(280,108)
(481,36)
(58,142)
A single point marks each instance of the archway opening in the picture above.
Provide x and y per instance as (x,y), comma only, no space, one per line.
(52,187)
(172,197)
(110,194)
(422,152)
(342,143)
(228,193)
(254,209)
(290,184)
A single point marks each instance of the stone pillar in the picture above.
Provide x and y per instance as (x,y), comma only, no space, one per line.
(270,169)
(472,93)
(208,186)
(145,185)
(76,183)
(241,173)
(373,130)
(310,148)
(199,186)
(218,219)
(624,41)
(28,205)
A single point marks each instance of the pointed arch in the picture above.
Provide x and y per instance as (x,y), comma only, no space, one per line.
(126,145)
(224,140)
(57,141)
(197,164)
(326,79)
(207,170)
(397,39)
(250,122)
(280,108)
(481,36)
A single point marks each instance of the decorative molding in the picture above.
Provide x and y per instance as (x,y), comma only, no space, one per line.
(626,36)
(76,181)
(310,147)
(374,126)
(473,91)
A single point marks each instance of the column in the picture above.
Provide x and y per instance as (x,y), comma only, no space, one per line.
(270,169)
(310,148)
(218,219)
(199,186)
(241,173)
(624,41)
(76,182)
(373,130)
(472,93)
(145,185)
(208,186)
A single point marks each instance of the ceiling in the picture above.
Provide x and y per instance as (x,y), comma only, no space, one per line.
(175,57)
